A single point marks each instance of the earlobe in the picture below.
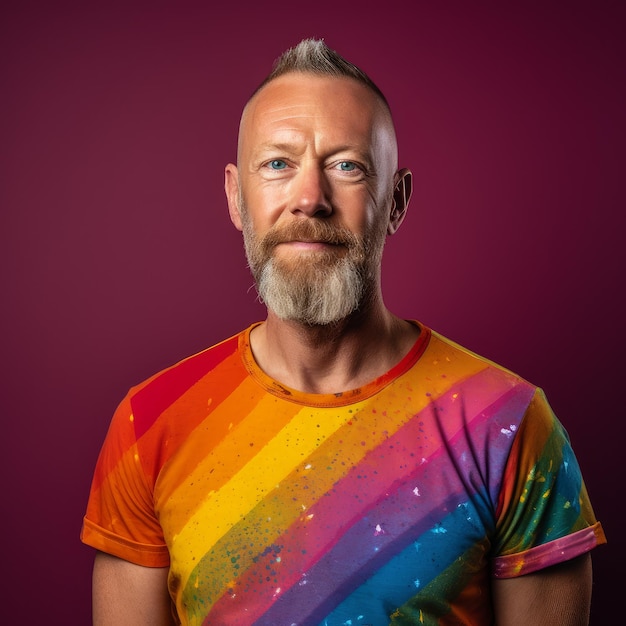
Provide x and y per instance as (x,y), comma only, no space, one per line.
(231,187)
(403,188)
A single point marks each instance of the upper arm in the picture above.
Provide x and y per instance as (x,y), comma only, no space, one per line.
(125,594)
(556,596)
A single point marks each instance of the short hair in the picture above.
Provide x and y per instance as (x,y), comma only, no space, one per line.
(313,56)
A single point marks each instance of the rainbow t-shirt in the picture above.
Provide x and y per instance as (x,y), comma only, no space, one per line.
(393,503)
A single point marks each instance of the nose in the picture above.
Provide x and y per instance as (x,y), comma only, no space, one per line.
(311,193)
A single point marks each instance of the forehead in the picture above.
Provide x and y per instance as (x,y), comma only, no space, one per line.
(332,107)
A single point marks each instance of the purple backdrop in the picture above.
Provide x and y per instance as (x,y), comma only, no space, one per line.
(118,257)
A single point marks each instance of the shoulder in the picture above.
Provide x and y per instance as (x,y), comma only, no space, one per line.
(451,349)
(214,365)
(461,370)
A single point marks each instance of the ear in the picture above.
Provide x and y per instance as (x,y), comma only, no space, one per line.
(403,188)
(231,187)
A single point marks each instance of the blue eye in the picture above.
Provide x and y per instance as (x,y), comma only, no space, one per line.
(277,164)
(347,166)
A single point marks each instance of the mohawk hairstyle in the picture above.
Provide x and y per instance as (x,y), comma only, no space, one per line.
(313,56)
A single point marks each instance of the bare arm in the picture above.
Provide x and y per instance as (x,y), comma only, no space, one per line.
(557,596)
(125,594)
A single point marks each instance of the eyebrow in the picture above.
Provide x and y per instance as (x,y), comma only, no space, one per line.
(281,146)
(291,148)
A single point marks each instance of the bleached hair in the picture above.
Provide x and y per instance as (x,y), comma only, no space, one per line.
(313,56)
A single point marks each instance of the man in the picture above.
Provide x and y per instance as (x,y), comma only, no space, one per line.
(334,464)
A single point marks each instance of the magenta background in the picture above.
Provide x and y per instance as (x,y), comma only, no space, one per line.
(118,257)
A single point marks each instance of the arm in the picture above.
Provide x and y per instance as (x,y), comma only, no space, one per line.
(556,596)
(125,594)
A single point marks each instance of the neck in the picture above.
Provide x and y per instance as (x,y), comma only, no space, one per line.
(332,358)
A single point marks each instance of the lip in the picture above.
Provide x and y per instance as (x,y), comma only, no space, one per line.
(307,244)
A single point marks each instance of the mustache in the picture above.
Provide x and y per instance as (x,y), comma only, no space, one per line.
(309,230)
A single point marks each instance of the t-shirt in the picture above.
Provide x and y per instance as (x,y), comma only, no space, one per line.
(392,503)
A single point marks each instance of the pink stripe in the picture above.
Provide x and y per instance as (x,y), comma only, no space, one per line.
(381,467)
(548,554)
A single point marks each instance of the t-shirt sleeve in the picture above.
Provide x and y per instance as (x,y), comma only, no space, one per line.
(544,514)
(120,517)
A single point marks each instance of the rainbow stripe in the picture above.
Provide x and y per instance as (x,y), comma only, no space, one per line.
(392,503)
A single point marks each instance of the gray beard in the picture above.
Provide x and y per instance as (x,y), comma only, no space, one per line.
(319,287)
(320,293)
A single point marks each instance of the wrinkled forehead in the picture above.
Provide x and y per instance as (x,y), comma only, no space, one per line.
(335,105)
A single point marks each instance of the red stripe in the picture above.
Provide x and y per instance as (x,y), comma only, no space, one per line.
(165,388)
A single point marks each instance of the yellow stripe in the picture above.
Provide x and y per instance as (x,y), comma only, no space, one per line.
(263,473)
(281,440)
(195,465)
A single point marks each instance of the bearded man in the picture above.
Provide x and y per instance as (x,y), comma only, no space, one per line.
(334,464)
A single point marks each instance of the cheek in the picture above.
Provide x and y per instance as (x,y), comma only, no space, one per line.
(269,194)
(262,204)
(361,210)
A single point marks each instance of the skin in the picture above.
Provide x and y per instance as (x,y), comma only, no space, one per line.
(125,594)
(556,596)
(324,148)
